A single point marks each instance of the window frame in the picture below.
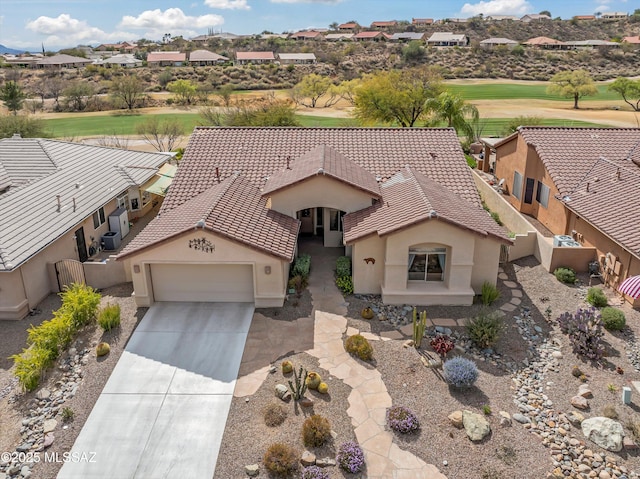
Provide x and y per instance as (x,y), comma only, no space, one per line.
(99,218)
(517,192)
(339,217)
(543,194)
(434,252)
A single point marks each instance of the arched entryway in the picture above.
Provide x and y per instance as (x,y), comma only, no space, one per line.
(325,224)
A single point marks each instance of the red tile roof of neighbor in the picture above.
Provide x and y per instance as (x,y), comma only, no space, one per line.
(326,161)
(348,25)
(634,40)
(259,153)
(569,153)
(607,197)
(543,41)
(233,208)
(408,198)
(369,35)
(166,57)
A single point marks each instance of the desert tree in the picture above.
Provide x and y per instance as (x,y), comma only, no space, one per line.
(310,89)
(629,90)
(161,134)
(127,90)
(455,112)
(13,96)
(574,84)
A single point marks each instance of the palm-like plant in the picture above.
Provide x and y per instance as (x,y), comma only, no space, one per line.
(455,112)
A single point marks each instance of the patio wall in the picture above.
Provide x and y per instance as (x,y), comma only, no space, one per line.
(106,273)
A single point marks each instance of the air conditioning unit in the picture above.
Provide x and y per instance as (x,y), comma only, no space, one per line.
(570,244)
(111,240)
(559,239)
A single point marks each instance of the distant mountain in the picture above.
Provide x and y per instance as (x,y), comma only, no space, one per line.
(4,49)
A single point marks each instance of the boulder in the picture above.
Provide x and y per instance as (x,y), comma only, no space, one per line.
(48,439)
(325,462)
(282,392)
(308,458)
(475,425)
(306,402)
(43,394)
(505,418)
(605,432)
(585,391)
(579,402)
(575,418)
(252,470)
(49,425)
(456,419)
(521,418)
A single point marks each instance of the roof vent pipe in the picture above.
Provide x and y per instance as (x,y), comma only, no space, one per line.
(587,187)
(74,203)
(218,174)
(618,174)
(59,203)
(288,162)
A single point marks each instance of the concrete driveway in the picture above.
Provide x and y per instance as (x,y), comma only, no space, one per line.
(163,411)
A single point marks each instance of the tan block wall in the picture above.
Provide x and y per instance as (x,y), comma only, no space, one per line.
(368,277)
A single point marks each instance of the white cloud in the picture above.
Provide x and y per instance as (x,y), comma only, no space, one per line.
(228,4)
(171,20)
(65,30)
(497,7)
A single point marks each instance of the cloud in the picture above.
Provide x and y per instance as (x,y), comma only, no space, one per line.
(228,4)
(497,7)
(66,30)
(327,2)
(171,20)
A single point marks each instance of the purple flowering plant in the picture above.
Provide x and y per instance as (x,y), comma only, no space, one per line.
(314,472)
(402,419)
(350,457)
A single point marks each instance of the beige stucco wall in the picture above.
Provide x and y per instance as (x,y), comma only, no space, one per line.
(486,261)
(368,276)
(13,298)
(269,289)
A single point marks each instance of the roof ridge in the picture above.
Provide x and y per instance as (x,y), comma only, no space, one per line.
(635,147)
(42,144)
(423,194)
(230,181)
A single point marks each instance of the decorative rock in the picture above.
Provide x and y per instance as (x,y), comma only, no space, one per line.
(579,402)
(435,363)
(306,402)
(557,354)
(252,470)
(605,432)
(604,475)
(282,392)
(325,462)
(456,419)
(43,394)
(49,425)
(24,447)
(505,419)
(475,425)
(629,444)
(48,439)
(308,458)
(408,343)
(585,391)
(521,418)
(575,418)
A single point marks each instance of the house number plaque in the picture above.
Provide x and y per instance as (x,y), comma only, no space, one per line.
(202,244)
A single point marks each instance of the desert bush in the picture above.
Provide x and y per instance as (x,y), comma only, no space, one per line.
(596,297)
(585,332)
(297,283)
(613,319)
(30,366)
(609,410)
(350,457)
(67,414)
(442,344)
(490,293)
(281,460)
(274,414)
(343,266)
(314,472)
(565,275)
(402,419)
(460,372)
(345,284)
(301,266)
(316,431)
(485,329)
(357,345)
(109,317)
(81,302)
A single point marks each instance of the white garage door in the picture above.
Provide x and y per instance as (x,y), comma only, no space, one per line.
(196,282)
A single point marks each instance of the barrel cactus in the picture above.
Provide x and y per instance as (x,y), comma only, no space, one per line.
(323,388)
(102,349)
(287,367)
(313,380)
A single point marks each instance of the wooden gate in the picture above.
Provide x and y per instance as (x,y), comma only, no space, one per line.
(69,271)
(504,253)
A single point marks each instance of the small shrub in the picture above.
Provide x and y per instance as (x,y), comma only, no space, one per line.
(612,388)
(297,283)
(565,275)
(314,472)
(596,297)
(67,414)
(460,372)
(609,410)
(585,332)
(496,218)
(486,409)
(274,414)
(345,284)
(613,319)
(281,459)
(81,302)
(316,431)
(357,345)
(485,329)
(109,317)
(350,457)
(30,366)
(490,293)
(634,427)
(302,266)
(102,349)
(343,266)
(442,344)
(402,419)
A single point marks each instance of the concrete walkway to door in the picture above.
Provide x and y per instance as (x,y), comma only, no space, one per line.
(163,411)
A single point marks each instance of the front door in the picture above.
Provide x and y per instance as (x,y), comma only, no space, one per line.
(82,246)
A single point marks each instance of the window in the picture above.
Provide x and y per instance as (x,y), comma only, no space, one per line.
(517,185)
(427,264)
(98,218)
(528,191)
(542,194)
(123,202)
(335,220)
(146,197)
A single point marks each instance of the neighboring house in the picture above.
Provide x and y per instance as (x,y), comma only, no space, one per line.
(422,21)
(632,40)
(243,58)
(614,15)
(371,37)
(546,43)
(205,57)
(348,27)
(55,199)
(534,17)
(166,59)
(124,60)
(384,25)
(62,61)
(402,200)
(455,20)
(306,35)
(407,36)
(297,58)
(448,39)
(25,61)
(501,18)
(118,47)
(602,44)
(491,43)
(267,36)
(575,181)
(585,18)
(339,37)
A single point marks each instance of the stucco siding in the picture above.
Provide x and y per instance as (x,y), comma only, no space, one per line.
(13,298)
(486,258)
(368,275)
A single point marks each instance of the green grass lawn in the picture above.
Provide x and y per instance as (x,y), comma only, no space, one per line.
(495,126)
(508,91)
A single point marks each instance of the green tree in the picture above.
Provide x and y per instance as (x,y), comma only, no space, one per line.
(12,95)
(269,113)
(310,89)
(397,96)
(78,95)
(225,92)
(161,134)
(164,78)
(629,90)
(74,52)
(184,90)
(513,124)
(348,88)
(127,90)
(26,126)
(455,112)
(413,52)
(545,12)
(574,84)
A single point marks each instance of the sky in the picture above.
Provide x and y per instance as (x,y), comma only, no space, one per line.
(29,24)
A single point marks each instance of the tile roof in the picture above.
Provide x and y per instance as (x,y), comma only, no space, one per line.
(233,208)
(92,175)
(569,153)
(543,41)
(369,35)
(498,41)
(408,198)
(62,59)
(205,55)
(24,160)
(297,56)
(166,57)
(259,152)
(408,36)
(608,188)
(323,160)
(446,37)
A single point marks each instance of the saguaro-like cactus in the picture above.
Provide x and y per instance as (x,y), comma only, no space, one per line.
(419,326)
(299,385)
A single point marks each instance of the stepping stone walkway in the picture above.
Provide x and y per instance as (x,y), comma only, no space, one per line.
(368,403)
